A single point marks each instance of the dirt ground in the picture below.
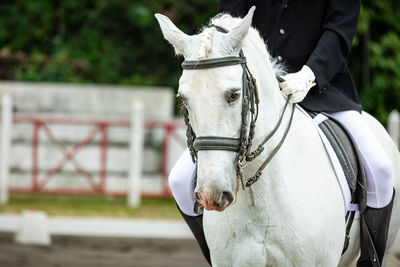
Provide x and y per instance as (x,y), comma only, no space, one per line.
(101,252)
(105,252)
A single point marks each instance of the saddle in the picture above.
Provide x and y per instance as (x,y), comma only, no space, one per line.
(350,159)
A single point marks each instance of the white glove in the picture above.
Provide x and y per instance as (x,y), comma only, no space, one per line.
(298,84)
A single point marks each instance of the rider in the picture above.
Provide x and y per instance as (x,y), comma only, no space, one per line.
(313,40)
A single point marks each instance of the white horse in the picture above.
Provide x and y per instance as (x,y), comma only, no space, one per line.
(294,215)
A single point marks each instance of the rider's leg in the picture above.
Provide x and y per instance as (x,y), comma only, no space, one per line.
(377,224)
(195,224)
(182,182)
(378,169)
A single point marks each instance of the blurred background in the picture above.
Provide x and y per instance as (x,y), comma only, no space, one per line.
(74,76)
(119,42)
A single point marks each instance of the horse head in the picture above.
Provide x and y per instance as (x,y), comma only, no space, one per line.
(213,99)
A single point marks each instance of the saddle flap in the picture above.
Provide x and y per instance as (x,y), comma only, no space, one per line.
(344,150)
(349,158)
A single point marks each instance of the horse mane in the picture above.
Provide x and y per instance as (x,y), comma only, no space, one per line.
(253,38)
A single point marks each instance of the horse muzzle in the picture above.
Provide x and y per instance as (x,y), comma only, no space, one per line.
(214,200)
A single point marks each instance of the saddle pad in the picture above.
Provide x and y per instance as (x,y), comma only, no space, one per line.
(344,149)
(317,120)
(345,159)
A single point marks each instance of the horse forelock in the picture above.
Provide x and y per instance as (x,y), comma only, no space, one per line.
(206,40)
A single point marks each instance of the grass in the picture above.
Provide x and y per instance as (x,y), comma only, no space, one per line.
(151,208)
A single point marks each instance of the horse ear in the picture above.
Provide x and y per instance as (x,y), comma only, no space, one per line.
(172,34)
(236,35)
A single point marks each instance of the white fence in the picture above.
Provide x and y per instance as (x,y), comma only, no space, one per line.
(393,126)
(135,148)
(42,101)
(6,125)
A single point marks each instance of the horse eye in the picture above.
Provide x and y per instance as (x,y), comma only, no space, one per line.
(233,96)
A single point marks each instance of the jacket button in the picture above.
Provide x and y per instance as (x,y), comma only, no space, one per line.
(282,31)
(280,58)
(286,6)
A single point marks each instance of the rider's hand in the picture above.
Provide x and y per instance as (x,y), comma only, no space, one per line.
(298,84)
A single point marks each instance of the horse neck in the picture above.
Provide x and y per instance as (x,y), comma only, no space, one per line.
(302,135)
(271,99)
(271,106)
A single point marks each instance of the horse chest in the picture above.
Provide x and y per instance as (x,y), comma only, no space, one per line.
(264,230)
(250,240)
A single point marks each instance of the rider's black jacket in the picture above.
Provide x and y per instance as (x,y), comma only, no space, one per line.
(316,33)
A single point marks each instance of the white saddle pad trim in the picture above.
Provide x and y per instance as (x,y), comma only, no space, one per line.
(337,167)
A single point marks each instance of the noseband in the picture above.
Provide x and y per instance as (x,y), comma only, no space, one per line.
(250,100)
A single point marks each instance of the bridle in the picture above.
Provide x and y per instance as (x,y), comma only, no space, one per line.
(250,101)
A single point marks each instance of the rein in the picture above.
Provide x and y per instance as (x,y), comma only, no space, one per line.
(250,101)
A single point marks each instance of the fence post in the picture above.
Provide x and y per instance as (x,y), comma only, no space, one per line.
(135,153)
(6,124)
(393,126)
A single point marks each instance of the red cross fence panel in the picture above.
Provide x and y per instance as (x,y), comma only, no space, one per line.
(99,127)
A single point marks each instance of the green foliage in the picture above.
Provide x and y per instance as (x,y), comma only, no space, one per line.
(119,42)
(97,41)
(379,29)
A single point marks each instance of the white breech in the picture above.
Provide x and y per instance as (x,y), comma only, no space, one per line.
(182,183)
(377,166)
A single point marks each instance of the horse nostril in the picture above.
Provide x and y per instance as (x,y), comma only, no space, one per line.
(228,196)
(226,199)
(197,196)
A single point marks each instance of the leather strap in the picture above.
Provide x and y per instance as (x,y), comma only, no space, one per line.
(216,143)
(219,28)
(279,78)
(349,218)
(260,147)
(255,178)
(212,63)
